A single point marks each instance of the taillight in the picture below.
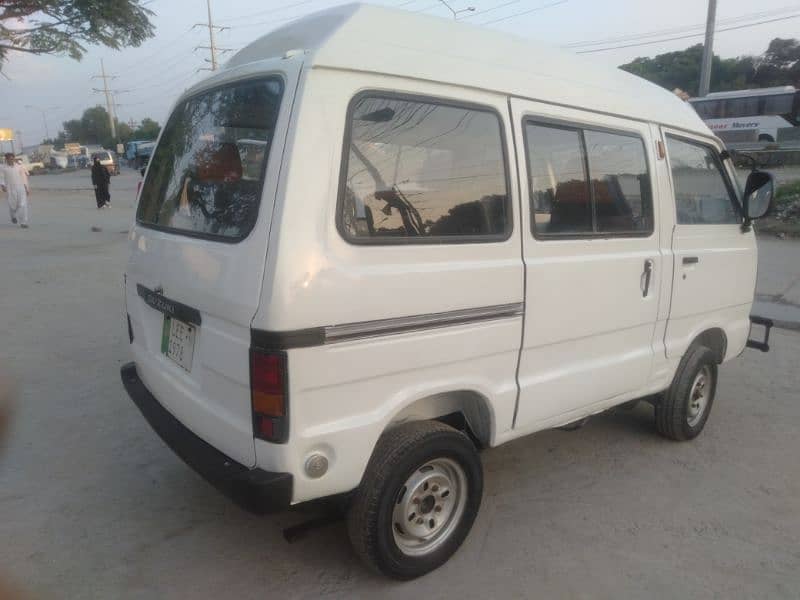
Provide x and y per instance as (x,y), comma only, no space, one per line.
(268,395)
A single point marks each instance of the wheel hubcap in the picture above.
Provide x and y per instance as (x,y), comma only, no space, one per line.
(698,396)
(429,506)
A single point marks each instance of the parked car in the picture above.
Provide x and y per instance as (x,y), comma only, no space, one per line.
(32,166)
(59,160)
(510,239)
(109,160)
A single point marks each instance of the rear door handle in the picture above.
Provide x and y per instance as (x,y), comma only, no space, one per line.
(648,274)
(691,260)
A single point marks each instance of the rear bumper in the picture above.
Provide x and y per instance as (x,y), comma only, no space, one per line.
(255,490)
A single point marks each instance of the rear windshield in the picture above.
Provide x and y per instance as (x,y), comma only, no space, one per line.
(207,172)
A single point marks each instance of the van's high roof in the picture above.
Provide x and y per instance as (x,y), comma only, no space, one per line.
(381,40)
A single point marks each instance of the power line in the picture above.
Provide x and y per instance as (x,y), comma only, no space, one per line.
(691,35)
(268,12)
(525,12)
(492,9)
(682,29)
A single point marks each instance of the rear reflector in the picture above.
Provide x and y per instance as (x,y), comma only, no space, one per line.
(268,395)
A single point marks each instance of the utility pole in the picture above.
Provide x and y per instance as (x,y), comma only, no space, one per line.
(44,116)
(19,139)
(107,92)
(457,12)
(212,45)
(708,50)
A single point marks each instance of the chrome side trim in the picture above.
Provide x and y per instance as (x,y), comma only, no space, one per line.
(367,329)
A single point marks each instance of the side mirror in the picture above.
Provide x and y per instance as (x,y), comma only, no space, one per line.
(758,194)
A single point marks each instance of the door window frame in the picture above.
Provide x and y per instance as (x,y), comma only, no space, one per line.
(580,127)
(420,240)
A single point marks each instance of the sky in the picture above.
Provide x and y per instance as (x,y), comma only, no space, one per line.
(150,78)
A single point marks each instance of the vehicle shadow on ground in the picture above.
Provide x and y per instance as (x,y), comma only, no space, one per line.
(525,466)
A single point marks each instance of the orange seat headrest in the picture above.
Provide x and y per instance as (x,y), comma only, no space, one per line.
(219,162)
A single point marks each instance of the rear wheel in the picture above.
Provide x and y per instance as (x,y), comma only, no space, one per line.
(684,409)
(418,499)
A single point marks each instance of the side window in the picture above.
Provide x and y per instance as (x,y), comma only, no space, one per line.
(422,171)
(614,197)
(620,183)
(560,196)
(702,195)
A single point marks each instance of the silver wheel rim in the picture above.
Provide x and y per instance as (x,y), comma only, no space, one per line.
(429,506)
(698,396)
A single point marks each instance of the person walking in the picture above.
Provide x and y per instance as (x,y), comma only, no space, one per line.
(14,182)
(101,180)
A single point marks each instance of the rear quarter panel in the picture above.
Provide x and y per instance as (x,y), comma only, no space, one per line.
(343,395)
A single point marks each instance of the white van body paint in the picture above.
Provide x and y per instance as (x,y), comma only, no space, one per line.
(560,357)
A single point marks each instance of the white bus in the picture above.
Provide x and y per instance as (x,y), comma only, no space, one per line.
(746,116)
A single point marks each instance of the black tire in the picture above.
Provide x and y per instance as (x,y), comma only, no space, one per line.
(673,412)
(397,455)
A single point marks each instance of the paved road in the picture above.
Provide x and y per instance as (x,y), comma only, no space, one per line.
(93,505)
(778,288)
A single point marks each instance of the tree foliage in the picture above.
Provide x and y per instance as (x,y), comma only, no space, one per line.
(148,130)
(65,26)
(779,65)
(94,128)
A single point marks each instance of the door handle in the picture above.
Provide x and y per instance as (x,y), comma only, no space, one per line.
(648,274)
(691,260)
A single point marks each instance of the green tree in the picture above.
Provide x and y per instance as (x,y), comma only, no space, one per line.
(681,69)
(124,132)
(94,128)
(148,130)
(57,142)
(64,26)
(779,65)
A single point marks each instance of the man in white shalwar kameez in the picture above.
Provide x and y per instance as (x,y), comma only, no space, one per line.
(14,182)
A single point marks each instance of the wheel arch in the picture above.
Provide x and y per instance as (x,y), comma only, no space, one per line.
(714,339)
(467,410)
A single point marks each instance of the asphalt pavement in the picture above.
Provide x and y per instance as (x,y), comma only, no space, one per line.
(94,505)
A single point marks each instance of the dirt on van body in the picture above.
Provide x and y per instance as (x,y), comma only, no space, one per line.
(94,505)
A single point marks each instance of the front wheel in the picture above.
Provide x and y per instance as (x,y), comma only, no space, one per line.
(683,411)
(417,501)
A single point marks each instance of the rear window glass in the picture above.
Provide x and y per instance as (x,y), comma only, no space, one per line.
(423,171)
(207,172)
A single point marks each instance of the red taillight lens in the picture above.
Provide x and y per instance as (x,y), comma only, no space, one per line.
(268,395)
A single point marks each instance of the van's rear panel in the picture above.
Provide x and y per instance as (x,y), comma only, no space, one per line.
(198,250)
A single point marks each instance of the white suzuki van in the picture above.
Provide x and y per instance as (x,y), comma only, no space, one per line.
(377,242)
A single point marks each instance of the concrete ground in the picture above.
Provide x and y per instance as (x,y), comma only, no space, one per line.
(93,504)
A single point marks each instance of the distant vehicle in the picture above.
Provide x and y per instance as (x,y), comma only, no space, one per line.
(109,160)
(138,152)
(59,160)
(78,161)
(749,116)
(31,165)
